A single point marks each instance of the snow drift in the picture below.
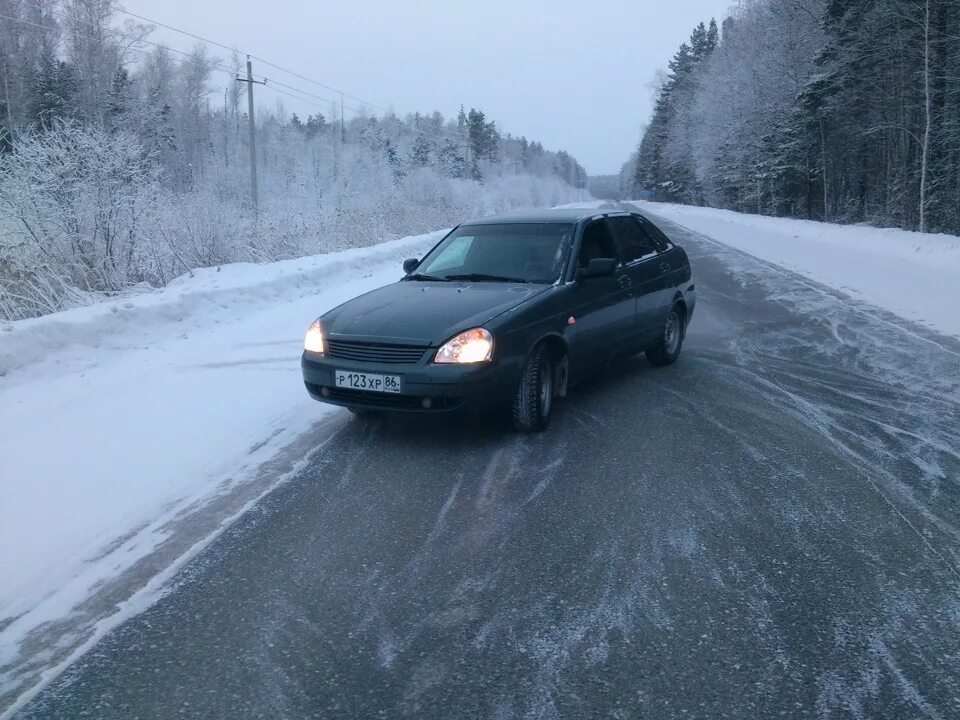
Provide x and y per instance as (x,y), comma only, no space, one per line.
(913,275)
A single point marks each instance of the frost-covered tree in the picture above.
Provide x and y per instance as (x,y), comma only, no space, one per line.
(124,164)
(421,152)
(882,114)
(53,92)
(664,160)
(844,110)
(74,200)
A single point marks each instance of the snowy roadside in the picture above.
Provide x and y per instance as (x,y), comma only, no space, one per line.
(913,275)
(117,419)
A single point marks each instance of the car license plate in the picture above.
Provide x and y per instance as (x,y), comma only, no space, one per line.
(367,381)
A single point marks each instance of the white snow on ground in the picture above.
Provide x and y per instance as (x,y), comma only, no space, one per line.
(587,204)
(913,275)
(115,418)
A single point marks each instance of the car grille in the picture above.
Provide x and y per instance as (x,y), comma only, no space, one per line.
(375,352)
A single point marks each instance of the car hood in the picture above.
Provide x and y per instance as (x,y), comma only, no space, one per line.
(427,313)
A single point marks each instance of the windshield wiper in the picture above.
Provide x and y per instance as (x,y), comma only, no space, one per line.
(421,276)
(483,277)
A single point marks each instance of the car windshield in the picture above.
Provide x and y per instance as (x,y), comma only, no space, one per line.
(520,252)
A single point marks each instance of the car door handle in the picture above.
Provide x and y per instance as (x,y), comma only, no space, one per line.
(664,267)
(624,281)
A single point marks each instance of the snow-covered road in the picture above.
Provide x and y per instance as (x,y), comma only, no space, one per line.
(121,422)
(768,526)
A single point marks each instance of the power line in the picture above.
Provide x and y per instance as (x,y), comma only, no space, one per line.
(305,97)
(447,134)
(437,133)
(254,57)
(272,85)
(275,83)
(320,84)
(288,94)
(182,32)
(115,33)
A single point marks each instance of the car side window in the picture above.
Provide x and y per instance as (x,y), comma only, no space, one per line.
(596,242)
(663,242)
(634,241)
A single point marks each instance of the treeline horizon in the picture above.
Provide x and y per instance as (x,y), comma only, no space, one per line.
(122,165)
(839,110)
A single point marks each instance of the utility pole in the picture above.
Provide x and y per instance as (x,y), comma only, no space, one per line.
(336,142)
(253,129)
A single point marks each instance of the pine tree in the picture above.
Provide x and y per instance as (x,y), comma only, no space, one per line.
(421,152)
(483,136)
(157,132)
(451,161)
(393,159)
(844,110)
(315,125)
(673,177)
(54,89)
(118,100)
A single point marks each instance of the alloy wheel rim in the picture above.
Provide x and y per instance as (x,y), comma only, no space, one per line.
(546,390)
(671,335)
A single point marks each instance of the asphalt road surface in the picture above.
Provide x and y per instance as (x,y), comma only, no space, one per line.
(767,528)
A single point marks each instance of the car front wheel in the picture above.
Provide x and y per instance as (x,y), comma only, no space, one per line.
(667,348)
(534,400)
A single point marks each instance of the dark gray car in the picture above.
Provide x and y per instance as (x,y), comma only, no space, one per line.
(505,312)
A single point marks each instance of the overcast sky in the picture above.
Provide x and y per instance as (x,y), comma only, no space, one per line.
(573,75)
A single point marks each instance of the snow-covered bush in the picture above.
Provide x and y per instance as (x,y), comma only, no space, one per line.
(120,169)
(86,213)
(74,203)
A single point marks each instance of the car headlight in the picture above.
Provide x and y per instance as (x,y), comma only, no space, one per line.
(314,338)
(472,346)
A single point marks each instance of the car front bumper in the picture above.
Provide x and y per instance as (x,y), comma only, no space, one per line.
(426,387)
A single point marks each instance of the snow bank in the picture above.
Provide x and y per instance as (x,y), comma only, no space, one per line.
(221,292)
(587,204)
(117,418)
(913,275)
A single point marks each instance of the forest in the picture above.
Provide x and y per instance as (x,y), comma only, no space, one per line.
(125,163)
(846,111)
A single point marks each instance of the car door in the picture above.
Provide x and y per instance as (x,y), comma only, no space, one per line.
(638,252)
(671,266)
(602,308)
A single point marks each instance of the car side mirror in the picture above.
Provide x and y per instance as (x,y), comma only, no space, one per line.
(410,264)
(598,267)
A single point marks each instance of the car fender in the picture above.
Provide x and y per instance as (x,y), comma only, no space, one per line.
(554,337)
(527,324)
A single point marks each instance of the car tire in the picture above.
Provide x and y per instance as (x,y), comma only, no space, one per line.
(667,348)
(536,392)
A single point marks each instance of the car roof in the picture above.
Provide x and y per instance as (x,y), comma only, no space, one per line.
(550,215)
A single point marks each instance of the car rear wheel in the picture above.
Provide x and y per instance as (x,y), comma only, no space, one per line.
(536,392)
(667,348)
